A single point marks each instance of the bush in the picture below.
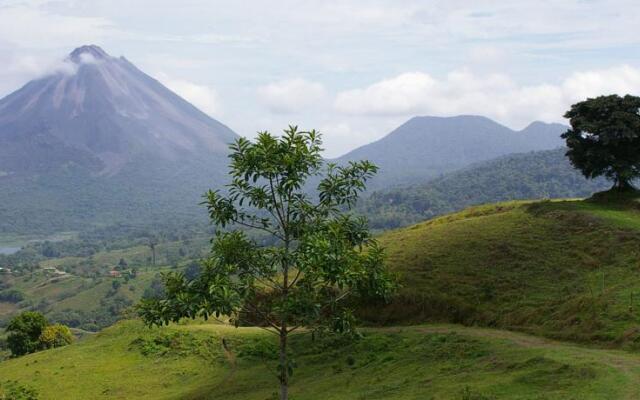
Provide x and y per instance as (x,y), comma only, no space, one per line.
(24,333)
(56,335)
(13,390)
(30,332)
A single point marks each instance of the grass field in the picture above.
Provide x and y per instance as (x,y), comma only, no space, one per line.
(553,270)
(562,269)
(419,362)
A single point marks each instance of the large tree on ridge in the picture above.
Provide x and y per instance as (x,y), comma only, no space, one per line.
(604,139)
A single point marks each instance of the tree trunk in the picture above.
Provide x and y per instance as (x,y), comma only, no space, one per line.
(621,184)
(284,373)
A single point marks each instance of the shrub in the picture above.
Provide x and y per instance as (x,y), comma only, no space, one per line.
(13,390)
(24,332)
(56,335)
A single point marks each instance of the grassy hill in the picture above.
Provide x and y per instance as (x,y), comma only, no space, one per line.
(563,269)
(552,270)
(420,362)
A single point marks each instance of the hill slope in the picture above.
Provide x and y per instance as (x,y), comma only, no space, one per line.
(564,269)
(438,362)
(425,147)
(534,175)
(102,142)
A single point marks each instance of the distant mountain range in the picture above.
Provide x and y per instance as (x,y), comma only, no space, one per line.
(103,143)
(426,147)
(535,175)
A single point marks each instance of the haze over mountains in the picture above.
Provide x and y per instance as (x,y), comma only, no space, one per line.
(101,142)
(544,174)
(425,147)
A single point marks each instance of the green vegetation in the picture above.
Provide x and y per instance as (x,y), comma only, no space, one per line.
(30,332)
(562,269)
(24,333)
(422,362)
(56,335)
(88,303)
(536,267)
(535,175)
(321,256)
(12,390)
(73,198)
(603,139)
(175,243)
(75,287)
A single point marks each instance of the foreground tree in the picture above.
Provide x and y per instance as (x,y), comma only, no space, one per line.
(24,333)
(321,257)
(604,139)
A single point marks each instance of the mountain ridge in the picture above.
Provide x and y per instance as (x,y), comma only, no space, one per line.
(425,147)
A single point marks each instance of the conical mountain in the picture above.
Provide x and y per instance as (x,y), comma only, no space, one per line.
(99,141)
(101,112)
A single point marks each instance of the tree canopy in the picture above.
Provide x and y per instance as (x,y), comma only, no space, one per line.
(55,335)
(321,255)
(24,332)
(604,138)
(30,332)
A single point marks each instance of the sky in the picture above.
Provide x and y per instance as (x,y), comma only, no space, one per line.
(354,70)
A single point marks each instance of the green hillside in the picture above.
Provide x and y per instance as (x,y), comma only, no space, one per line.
(563,269)
(77,290)
(557,269)
(422,362)
(535,175)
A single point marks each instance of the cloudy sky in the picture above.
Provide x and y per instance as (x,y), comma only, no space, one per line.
(352,69)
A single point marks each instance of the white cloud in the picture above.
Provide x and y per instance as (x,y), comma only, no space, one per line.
(400,95)
(88,58)
(494,95)
(34,27)
(201,96)
(292,95)
(33,67)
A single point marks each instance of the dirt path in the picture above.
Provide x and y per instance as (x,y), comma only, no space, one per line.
(625,362)
(231,359)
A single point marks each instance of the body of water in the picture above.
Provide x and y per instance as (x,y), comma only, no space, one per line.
(9,250)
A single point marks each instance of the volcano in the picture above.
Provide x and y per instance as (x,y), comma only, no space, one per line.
(101,112)
(101,140)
